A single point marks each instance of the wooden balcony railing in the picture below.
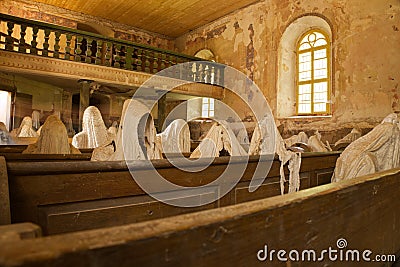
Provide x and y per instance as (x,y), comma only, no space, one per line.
(47,40)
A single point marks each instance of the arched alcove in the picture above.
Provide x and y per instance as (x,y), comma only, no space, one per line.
(286,83)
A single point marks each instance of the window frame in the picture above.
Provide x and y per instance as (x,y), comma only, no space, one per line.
(209,110)
(328,79)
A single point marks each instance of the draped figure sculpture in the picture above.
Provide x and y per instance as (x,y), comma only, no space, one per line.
(52,140)
(175,138)
(349,138)
(5,137)
(25,129)
(261,144)
(219,137)
(137,144)
(376,151)
(301,137)
(316,145)
(94,132)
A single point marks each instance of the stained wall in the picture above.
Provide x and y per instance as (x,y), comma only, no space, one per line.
(365,47)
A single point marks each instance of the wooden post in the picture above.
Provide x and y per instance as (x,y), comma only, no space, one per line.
(5,214)
(84,94)
(162,102)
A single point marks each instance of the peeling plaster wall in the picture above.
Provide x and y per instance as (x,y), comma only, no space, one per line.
(63,17)
(365,46)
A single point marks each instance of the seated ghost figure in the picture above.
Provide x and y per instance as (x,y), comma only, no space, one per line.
(266,139)
(349,138)
(219,137)
(25,129)
(52,140)
(36,119)
(138,144)
(376,151)
(94,132)
(316,145)
(299,138)
(175,138)
(5,137)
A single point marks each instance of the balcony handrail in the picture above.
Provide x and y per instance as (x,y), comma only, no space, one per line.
(49,40)
(95,35)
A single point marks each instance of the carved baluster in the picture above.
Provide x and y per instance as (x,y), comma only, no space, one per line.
(88,52)
(22,44)
(45,51)
(155,62)
(201,73)
(116,55)
(129,58)
(57,45)
(78,50)
(212,75)
(99,45)
(34,43)
(67,55)
(139,60)
(194,72)
(9,38)
(163,60)
(107,54)
(147,61)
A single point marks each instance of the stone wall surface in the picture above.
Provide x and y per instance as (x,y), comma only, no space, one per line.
(365,48)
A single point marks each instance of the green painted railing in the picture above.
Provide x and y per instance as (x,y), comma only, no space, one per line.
(47,40)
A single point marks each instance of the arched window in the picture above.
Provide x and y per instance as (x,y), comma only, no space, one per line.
(294,40)
(313,83)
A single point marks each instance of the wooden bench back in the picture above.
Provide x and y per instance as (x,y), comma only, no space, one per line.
(363,211)
(77,195)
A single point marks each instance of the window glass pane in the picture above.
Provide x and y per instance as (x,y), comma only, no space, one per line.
(211,113)
(304,108)
(304,46)
(305,57)
(319,107)
(321,87)
(320,63)
(320,42)
(320,53)
(320,74)
(305,88)
(304,76)
(204,113)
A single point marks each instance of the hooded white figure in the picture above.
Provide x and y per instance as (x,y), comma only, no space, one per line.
(94,132)
(136,136)
(36,119)
(25,129)
(349,138)
(113,129)
(52,140)
(243,138)
(5,137)
(175,138)
(266,139)
(299,138)
(219,137)
(376,151)
(316,145)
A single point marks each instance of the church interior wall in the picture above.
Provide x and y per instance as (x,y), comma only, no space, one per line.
(365,36)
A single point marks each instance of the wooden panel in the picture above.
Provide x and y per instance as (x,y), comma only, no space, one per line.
(170,17)
(19,231)
(53,193)
(62,218)
(364,211)
(5,216)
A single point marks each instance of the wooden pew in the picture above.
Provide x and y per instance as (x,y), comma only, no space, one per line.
(363,211)
(71,195)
